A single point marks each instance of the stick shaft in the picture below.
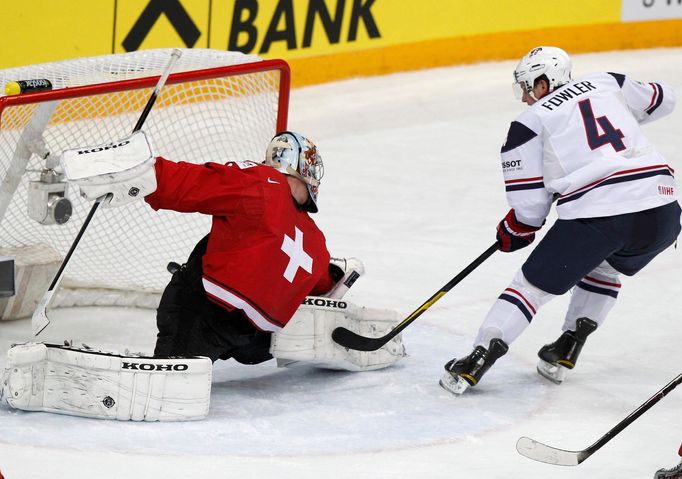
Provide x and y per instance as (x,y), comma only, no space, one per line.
(648,404)
(538,451)
(349,339)
(40,320)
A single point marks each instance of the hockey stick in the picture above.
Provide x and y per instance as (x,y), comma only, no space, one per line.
(550,455)
(349,339)
(39,320)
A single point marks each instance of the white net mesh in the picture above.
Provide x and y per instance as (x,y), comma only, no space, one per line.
(221,118)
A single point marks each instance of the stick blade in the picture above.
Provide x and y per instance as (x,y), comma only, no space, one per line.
(349,339)
(39,320)
(540,452)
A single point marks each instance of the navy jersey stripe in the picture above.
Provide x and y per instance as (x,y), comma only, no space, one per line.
(527,186)
(595,289)
(618,179)
(517,135)
(519,304)
(620,78)
(659,100)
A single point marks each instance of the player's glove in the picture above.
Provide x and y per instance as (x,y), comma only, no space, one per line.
(344,272)
(122,170)
(513,235)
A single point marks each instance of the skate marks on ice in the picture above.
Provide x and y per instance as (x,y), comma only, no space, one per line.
(262,410)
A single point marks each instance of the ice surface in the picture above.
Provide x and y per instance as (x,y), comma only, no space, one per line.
(413,187)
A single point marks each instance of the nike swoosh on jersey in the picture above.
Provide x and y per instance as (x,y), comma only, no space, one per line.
(270,180)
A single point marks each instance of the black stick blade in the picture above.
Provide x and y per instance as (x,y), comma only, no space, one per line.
(349,339)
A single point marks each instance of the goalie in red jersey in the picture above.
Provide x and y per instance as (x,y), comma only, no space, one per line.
(263,256)
(260,285)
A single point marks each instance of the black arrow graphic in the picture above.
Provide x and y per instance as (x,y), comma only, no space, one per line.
(175,13)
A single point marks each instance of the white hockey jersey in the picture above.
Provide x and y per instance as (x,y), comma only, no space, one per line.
(583,143)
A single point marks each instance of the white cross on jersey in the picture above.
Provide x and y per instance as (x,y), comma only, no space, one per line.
(297,257)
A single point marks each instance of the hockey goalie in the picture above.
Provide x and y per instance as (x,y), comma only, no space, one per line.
(260,285)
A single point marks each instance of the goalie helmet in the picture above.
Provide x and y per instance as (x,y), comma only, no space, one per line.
(552,62)
(295,155)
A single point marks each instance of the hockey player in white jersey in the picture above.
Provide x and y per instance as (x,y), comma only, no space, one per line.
(579,142)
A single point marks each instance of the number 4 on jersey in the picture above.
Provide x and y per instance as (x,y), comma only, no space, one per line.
(594,139)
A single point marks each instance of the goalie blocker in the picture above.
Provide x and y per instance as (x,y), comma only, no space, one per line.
(96,384)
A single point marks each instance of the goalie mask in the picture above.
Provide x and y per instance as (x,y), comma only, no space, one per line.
(295,155)
(552,62)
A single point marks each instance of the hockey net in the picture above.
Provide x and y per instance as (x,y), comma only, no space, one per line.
(216,106)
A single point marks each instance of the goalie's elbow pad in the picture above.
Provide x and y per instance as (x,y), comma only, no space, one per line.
(344,271)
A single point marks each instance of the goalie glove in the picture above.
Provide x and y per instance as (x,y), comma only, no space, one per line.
(122,170)
(513,235)
(344,271)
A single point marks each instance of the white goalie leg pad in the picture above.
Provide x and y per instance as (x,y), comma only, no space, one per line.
(307,337)
(95,384)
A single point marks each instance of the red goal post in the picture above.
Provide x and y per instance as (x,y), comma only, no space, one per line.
(217,106)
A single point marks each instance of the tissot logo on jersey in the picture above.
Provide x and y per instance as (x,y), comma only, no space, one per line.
(511,164)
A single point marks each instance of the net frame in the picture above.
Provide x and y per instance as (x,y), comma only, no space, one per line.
(79,289)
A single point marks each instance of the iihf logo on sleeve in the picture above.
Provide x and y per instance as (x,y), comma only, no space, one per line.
(666,190)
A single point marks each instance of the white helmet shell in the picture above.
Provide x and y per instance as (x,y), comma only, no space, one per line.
(550,61)
(295,155)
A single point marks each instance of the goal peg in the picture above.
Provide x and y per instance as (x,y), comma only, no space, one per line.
(26,86)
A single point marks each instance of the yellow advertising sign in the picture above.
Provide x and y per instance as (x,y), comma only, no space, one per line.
(328,39)
(38,32)
(144,24)
(294,28)
(304,28)
(435,19)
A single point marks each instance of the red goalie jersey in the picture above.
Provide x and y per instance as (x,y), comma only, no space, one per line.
(264,253)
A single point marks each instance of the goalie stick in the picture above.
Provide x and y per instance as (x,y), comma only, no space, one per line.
(39,320)
(538,451)
(349,339)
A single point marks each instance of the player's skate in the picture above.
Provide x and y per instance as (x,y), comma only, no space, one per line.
(672,473)
(468,371)
(558,357)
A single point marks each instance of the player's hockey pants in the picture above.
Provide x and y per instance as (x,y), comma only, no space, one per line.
(191,325)
(588,254)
